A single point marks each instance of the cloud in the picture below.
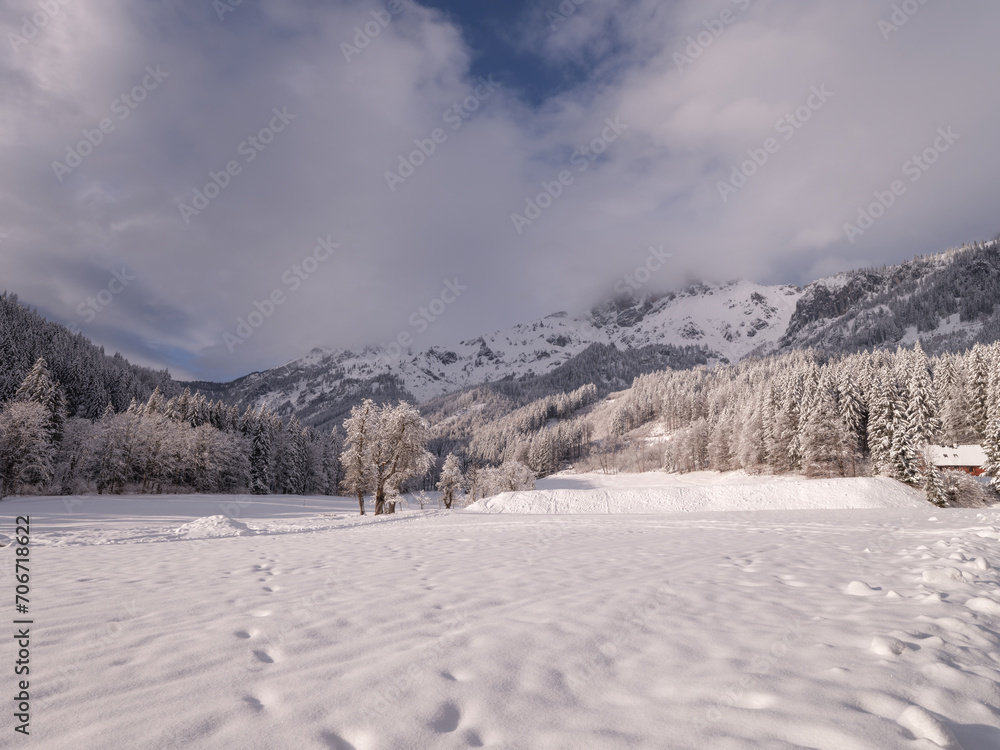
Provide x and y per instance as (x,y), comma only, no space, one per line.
(683,128)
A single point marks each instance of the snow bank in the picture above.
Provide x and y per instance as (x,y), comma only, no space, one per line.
(818,494)
(213,526)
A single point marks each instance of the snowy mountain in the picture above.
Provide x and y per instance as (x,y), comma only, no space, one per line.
(947,301)
(717,322)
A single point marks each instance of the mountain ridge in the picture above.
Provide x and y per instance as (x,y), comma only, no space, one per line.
(945,300)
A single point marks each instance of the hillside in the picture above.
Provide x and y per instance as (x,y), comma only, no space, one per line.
(90,378)
(947,301)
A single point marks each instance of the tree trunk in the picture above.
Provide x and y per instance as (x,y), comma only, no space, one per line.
(379,502)
(361,502)
(392,507)
(448,500)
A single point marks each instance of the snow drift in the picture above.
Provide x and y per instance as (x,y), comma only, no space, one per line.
(817,494)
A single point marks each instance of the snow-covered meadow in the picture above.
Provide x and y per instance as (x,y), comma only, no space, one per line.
(287,622)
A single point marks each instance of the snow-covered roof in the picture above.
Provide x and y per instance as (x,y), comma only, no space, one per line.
(957,455)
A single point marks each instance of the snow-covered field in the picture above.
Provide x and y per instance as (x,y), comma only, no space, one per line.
(284,623)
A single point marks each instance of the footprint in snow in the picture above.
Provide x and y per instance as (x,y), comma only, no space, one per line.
(446,719)
(335,741)
(264,656)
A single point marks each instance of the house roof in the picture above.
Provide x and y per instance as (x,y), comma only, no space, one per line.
(957,455)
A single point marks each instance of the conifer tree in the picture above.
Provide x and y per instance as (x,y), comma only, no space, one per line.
(825,437)
(40,387)
(922,404)
(261,444)
(991,447)
(934,487)
(902,463)
(881,410)
(978,391)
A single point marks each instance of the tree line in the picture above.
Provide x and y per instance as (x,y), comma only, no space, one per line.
(188,443)
(825,415)
(177,444)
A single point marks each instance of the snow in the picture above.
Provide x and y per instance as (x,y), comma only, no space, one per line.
(660,497)
(957,455)
(303,626)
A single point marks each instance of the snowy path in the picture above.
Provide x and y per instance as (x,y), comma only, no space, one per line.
(787,629)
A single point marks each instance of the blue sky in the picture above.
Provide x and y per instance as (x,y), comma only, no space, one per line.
(493,30)
(259,133)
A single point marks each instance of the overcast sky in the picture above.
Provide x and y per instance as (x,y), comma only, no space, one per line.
(665,96)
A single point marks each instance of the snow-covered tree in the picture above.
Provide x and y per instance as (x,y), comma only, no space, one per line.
(39,387)
(978,390)
(451,479)
(934,487)
(922,406)
(509,477)
(902,460)
(360,428)
(881,419)
(397,451)
(26,451)
(261,445)
(991,447)
(114,449)
(824,438)
(330,469)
